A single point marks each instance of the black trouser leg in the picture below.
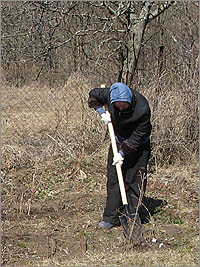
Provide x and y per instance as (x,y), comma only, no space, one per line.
(113,201)
(134,171)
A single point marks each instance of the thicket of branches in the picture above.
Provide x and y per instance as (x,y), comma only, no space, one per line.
(150,45)
(47,40)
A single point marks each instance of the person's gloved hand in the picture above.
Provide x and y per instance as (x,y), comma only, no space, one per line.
(105,117)
(118,159)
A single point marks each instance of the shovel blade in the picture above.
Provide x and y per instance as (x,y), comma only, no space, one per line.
(124,224)
(132,227)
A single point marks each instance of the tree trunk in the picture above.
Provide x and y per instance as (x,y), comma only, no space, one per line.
(133,48)
(136,29)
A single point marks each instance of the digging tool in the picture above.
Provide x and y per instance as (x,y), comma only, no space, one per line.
(130,222)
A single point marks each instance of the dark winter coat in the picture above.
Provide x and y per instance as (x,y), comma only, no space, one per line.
(133,125)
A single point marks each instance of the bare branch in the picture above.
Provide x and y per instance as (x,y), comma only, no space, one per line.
(113,12)
(162,8)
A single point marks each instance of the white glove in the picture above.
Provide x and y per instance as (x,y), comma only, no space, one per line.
(105,117)
(118,159)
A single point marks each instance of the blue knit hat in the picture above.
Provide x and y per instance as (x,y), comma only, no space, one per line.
(120,92)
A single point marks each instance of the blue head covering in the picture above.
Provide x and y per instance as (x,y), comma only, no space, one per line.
(120,92)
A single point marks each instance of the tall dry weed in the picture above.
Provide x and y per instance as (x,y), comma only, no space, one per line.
(174,105)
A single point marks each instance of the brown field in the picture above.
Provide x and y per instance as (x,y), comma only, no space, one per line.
(54,181)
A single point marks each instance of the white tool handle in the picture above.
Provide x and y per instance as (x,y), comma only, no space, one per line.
(118,166)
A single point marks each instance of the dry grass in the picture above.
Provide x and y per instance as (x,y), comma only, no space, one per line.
(57,121)
(54,176)
(48,122)
(175,118)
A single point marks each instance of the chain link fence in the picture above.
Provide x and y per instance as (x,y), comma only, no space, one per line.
(38,123)
(41,122)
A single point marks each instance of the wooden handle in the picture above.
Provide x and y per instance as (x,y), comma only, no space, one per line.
(118,166)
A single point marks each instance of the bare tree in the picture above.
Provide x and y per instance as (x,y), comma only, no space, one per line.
(134,18)
(31,35)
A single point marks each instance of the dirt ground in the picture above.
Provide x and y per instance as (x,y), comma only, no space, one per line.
(57,225)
